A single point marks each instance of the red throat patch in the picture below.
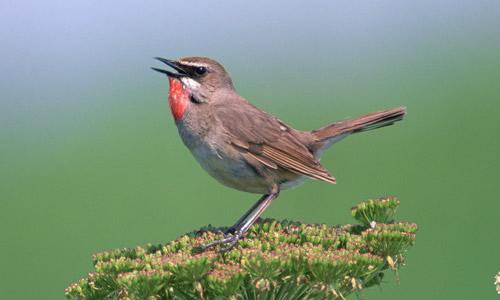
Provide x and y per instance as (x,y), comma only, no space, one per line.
(178,98)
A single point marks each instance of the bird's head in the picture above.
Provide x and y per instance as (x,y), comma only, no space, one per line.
(193,81)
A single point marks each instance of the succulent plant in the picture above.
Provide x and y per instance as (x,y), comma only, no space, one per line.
(276,260)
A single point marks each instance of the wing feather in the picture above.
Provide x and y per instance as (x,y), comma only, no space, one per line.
(268,140)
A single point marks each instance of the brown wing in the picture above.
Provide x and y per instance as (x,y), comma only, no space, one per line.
(268,139)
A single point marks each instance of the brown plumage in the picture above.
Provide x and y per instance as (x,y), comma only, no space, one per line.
(244,147)
(269,140)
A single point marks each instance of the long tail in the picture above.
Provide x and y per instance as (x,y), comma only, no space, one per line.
(329,134)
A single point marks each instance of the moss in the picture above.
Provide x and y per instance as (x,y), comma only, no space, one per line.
(277,260)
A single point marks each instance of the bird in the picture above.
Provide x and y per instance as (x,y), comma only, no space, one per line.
(244,147)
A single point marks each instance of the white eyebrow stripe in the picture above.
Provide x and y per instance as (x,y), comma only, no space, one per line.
(188,63)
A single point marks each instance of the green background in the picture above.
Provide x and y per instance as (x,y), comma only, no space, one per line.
(91,160)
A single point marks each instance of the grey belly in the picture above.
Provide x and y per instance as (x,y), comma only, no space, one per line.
(232,171)
(237,174)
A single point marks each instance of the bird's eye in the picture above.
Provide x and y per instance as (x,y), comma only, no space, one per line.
(200,70)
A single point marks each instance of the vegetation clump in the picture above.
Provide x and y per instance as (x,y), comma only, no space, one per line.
(497,282)
(276,260)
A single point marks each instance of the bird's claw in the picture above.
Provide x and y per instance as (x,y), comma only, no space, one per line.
(231,241)
(231,230)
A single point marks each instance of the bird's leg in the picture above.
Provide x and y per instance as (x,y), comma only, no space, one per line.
(242,226)
(240,221)
(254,216)
(244,223)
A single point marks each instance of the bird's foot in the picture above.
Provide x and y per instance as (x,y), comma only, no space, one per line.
(231,230)
(228,241)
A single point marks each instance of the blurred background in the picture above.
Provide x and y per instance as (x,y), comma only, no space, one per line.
(91,159)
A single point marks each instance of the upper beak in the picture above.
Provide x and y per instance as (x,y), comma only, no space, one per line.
(175,65)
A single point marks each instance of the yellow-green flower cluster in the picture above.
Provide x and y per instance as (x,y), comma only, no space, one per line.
(277,259)
(376,211)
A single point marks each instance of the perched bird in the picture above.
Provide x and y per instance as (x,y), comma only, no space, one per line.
(244,147)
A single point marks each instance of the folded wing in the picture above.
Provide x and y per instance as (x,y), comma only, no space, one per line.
(269,140)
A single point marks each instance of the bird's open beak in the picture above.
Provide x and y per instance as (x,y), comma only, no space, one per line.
(174,65)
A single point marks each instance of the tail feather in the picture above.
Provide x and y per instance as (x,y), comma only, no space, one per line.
(374,120)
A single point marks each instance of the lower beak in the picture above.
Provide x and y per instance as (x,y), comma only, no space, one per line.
(174,65)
